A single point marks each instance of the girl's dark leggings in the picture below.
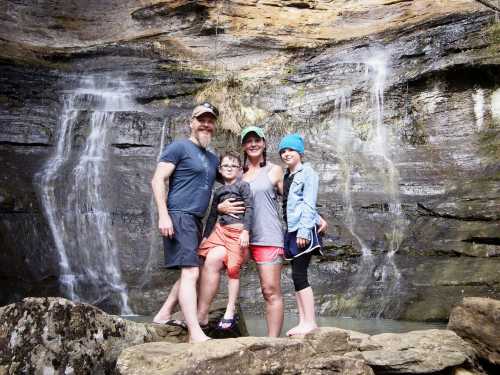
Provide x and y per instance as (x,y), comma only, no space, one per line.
(299,271)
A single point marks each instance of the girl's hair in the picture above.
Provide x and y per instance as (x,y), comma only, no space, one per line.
(262,163)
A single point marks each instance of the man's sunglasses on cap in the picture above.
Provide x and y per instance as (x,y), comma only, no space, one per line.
(211,107)
(205,107)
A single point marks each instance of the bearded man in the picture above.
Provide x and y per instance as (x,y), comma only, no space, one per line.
(189,170)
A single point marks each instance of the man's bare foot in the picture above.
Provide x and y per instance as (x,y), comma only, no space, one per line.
(161,319)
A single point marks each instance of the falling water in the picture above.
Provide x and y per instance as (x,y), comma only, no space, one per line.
(388,273)
(347,147)
(47,178)
(73,193)
(346,144)
(478,99)
(377,278)
(146,276)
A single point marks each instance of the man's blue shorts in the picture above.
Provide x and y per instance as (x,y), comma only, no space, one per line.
(293,251)
(182,250)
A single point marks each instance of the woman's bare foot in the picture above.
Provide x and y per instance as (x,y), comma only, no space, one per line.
(303,329)
(292,331)
(203,338)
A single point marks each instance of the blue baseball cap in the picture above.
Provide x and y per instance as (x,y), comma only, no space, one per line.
(292,141)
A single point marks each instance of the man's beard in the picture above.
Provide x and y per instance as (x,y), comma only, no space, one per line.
(203,139)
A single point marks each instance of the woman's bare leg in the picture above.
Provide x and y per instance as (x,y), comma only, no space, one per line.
(209,281)
(270,283)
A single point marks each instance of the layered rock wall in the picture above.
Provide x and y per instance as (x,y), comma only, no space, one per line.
(398,101)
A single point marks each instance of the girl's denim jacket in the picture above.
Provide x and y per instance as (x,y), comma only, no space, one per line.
(301,204)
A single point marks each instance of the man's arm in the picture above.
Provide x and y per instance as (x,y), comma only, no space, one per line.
(159,184)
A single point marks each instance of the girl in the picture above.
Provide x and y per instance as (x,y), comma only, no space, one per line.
(300,191)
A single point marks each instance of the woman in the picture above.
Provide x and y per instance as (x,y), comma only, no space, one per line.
(266,237)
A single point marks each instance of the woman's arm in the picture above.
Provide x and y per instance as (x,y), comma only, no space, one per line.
(276,177)
(231,207)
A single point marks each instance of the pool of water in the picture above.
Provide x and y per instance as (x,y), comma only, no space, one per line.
(256,325)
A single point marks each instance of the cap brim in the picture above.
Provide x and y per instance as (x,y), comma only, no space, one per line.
(202,112)
(252,132)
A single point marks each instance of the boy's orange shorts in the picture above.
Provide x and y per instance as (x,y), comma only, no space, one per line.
(229,237)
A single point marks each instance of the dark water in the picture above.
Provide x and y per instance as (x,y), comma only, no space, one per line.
(256,325)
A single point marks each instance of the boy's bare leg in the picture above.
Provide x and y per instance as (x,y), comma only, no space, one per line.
(168,307)
(233,288)
(209,281)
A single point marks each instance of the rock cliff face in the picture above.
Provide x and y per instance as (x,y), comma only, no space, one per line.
(399,102)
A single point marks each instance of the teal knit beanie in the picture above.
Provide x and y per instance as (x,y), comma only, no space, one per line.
(292,141)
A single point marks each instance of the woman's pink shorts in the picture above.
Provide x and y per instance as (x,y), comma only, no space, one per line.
(267,254)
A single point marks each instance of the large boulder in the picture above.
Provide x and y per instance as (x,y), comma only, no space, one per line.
(416,352)
(246,355)
(326,351)
(477,321)
(57,336)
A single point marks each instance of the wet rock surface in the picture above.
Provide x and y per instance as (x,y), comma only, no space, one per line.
(290,65)
(477,321)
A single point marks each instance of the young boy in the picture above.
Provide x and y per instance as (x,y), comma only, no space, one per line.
(229,231)
(300,191)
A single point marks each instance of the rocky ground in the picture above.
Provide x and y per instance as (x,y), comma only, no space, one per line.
(52,335)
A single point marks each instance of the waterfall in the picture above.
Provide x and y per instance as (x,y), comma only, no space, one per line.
(154,237)
(74,192)
(478,99)
(377,278)
(390,276)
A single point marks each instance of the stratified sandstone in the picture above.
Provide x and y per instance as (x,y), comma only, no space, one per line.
(289,66)
(477,321)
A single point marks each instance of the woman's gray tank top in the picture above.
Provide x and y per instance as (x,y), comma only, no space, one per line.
(266,225)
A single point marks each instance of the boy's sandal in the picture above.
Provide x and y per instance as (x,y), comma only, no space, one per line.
(223,322)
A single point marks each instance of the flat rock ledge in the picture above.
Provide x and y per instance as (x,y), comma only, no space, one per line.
(56,336)
(477,321)
(327,351)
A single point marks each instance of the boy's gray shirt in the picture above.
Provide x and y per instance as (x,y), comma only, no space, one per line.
(240,191)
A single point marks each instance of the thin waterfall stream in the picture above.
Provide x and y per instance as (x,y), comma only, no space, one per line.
(361,151)
(73,192)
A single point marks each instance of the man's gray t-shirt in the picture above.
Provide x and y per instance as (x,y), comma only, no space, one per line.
(190,186)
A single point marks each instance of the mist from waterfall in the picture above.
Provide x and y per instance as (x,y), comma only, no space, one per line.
(74,192)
